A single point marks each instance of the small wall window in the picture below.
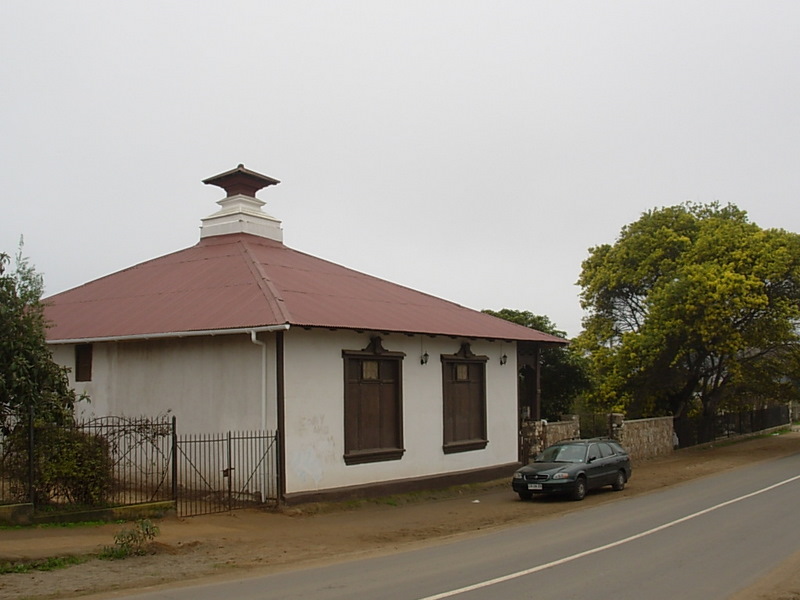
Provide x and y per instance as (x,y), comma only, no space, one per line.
(373,404)
(83,362)
(464,401)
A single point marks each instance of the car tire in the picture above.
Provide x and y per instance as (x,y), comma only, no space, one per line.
(579,493)
(619,482)
(525,495)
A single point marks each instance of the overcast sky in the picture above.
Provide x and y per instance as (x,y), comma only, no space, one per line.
(471,150)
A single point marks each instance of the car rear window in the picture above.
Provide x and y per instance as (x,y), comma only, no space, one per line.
(617,448)
(606,450)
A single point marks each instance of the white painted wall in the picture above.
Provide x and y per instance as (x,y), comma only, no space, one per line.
(315,404)
(213,384)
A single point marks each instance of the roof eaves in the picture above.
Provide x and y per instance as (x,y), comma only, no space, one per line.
(171,334)
(549,340)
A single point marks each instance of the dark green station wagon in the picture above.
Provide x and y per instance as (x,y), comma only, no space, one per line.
(573,467)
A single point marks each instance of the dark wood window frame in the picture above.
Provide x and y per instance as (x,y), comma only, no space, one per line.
(83,362)
(373,404)
(464,401)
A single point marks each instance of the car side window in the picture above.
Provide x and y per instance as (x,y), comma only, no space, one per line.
(617,448)
(594,453)
(606,450)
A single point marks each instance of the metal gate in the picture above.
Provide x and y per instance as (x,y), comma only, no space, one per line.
(595,425)
(220,472)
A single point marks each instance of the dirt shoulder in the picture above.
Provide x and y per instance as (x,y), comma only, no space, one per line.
(247,543)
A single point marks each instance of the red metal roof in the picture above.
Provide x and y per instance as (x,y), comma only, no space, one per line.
(242,281)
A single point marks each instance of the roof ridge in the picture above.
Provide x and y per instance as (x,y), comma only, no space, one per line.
(268,289)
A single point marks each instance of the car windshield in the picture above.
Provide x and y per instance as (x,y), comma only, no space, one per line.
(567,453)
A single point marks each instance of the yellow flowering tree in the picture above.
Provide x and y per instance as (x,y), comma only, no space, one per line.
(692,306)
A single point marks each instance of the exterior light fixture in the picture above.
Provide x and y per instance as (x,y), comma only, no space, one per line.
(423,360)
(504,359)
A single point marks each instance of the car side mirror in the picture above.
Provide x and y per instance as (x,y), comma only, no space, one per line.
(592,459)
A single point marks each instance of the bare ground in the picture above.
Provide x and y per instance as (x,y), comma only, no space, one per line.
(248,543)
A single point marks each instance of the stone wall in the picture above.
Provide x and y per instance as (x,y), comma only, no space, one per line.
(644,438)
(561,430)
(537,435)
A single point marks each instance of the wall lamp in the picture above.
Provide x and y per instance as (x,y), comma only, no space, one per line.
(423,360)
(504,359)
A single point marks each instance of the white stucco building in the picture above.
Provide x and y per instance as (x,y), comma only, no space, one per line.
(371,384)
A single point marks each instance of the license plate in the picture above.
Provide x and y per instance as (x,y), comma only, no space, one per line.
(534,486)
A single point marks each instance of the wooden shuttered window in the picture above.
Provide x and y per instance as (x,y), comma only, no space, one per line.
(83,362)
(464,401)
(373,404)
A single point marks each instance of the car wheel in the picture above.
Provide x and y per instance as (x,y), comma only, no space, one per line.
(525,495)
(619,483)
(580,489)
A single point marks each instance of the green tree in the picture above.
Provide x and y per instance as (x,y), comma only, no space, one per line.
(37,404)
(564,372)
(29,378)
(693,305)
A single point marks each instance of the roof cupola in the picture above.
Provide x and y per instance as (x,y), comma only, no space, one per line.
(240,210)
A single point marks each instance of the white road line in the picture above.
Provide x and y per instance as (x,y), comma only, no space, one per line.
(567,559)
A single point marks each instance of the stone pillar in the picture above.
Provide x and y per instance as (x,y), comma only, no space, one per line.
(615,424)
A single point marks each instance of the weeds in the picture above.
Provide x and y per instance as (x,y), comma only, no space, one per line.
(133,541)
(130,541)
(44,564)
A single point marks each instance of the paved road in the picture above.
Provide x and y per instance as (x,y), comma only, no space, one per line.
(703,540)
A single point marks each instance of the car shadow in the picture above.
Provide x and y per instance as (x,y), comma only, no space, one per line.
(544,498)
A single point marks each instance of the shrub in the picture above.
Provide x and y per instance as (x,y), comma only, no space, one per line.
(68,464)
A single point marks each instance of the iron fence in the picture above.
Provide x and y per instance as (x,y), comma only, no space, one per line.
(136,460)
(108,461)
(141,453)
(594,425)
(699,430)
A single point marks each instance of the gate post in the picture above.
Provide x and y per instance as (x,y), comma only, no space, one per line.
(615,423)
(174,462)
(229,472)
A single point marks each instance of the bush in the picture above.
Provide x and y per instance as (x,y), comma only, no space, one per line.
(69,465)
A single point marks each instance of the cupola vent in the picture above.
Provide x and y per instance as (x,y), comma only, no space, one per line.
(240,210)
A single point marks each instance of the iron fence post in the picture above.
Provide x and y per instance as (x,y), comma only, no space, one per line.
(229,471)
(278,471)
(31,458)
(174,462)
